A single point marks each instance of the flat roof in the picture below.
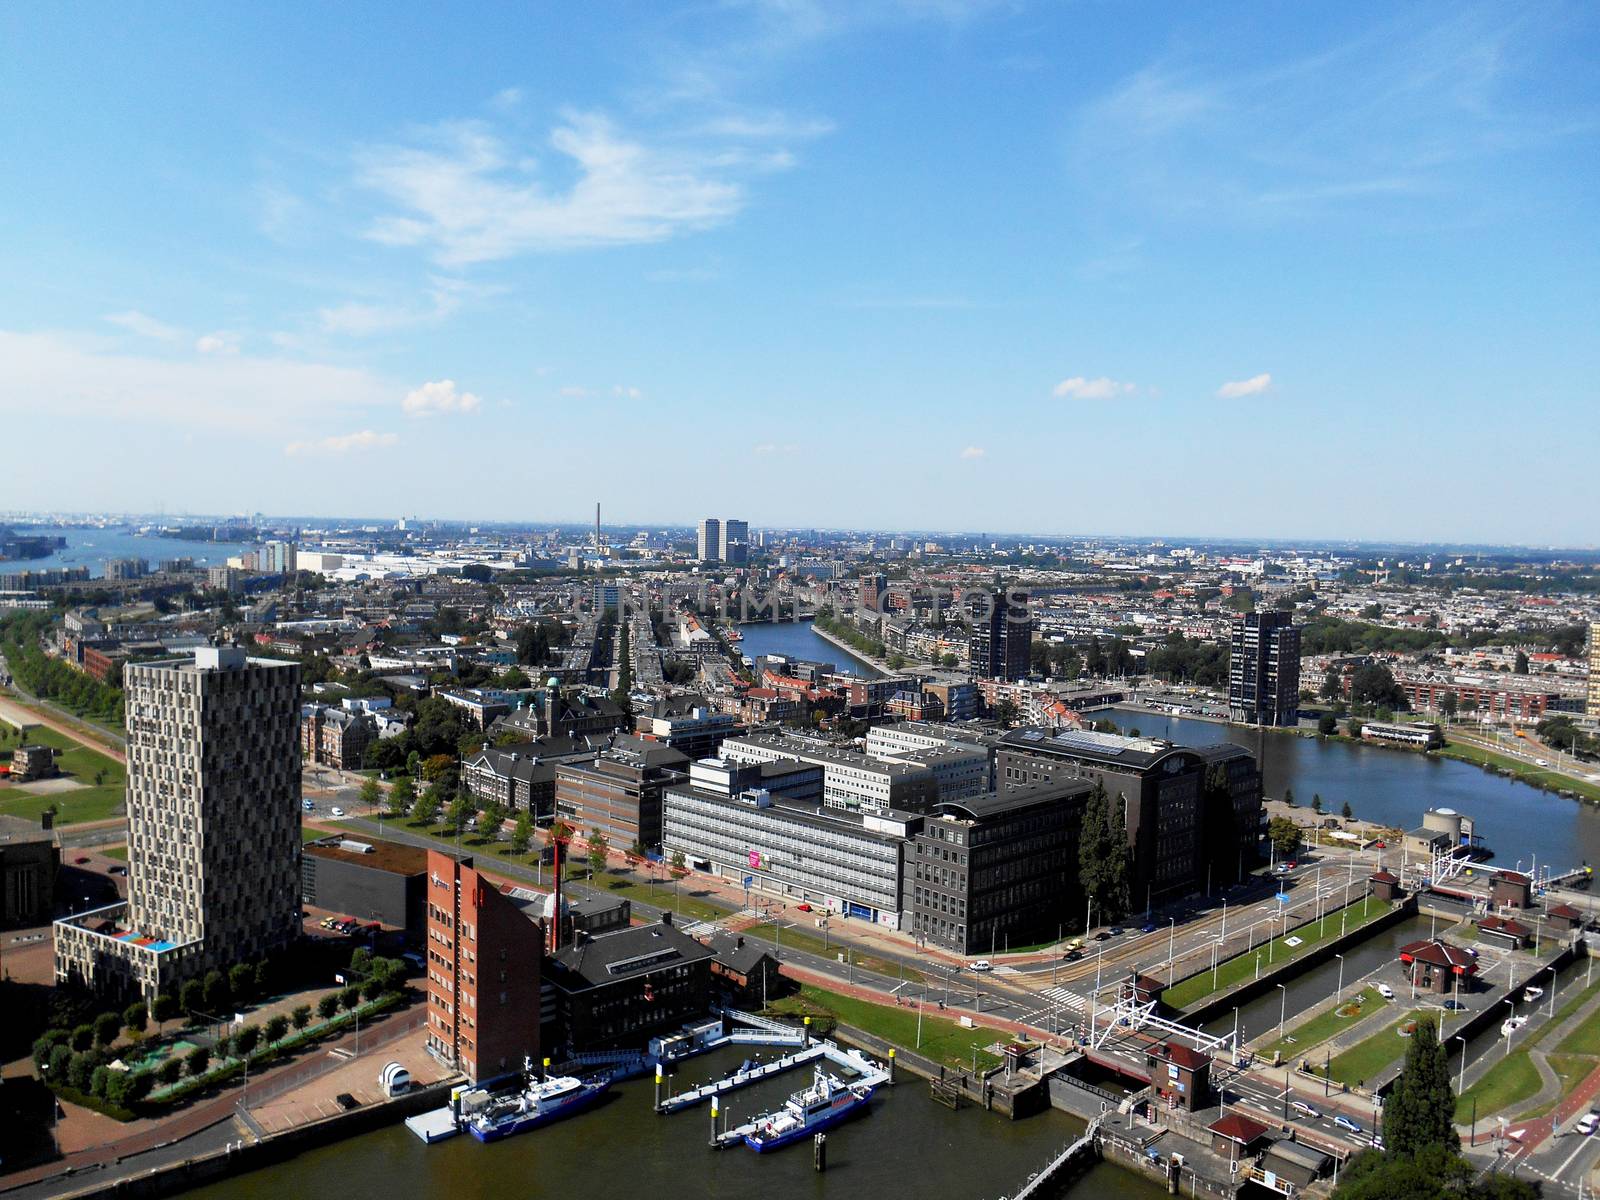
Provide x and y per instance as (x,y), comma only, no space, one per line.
(385,856)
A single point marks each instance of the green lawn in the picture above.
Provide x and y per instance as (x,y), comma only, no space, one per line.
(1525,771)
(117,852)
(1243,966)
(96,801)
(1368,1057)
(1510,1081)
(942,1040)
(1326,1024)
(1585,1039)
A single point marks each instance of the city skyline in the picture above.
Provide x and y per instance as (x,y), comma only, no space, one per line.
(980,247)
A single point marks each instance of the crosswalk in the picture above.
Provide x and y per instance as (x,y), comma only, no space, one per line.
(699,928)
(1061,1000)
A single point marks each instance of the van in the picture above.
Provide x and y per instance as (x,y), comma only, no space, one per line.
(1385,991)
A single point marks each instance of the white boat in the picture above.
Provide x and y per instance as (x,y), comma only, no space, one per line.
(821,1106)
(1532,993)
(1511,1025)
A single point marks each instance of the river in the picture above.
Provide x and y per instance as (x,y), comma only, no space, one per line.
(796,639)
(1395,787)
(93,548)
(907,1145)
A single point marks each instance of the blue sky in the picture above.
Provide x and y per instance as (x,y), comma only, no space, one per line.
(1256,270)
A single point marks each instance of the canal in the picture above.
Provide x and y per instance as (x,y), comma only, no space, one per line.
(907,1145)
(1395,787)
(796,639)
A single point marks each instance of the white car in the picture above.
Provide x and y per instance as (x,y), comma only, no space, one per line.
(336,811)
(1587,1124)
(1305,1110)
(1532,993)
(980,964)
(1385,991)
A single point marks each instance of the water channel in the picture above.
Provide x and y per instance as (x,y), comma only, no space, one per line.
(1395,787)
(796,639)
(907,1145)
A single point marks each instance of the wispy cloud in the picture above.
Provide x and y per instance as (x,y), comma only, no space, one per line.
(439,397)
(626,392)
(1236,388)
(974,452)
(1080,388)
(1414,110)
(343,443)
(146,326)
(219,342)
(467,195)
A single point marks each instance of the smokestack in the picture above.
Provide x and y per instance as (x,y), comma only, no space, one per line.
(597,527)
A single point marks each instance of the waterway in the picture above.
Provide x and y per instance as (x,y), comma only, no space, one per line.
(906,1145)
(93,548)
(796,639)
(1395,787)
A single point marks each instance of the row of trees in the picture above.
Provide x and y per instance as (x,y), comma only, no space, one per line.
(50,678)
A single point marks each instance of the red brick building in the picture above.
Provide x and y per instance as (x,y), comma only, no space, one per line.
(485,961)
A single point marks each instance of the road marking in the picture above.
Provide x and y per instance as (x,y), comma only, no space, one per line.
(1583,1144)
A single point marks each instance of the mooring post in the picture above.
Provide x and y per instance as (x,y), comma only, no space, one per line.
(713,1120)
(819,1146)
(891,1066)
(658,1085)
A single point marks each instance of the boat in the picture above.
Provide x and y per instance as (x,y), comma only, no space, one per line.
(539,1102)
(826,1103)
(1511,1025)
(1531,993)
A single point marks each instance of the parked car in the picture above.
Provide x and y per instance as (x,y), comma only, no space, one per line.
(119,869)
(1072,955)
(1345,1123)
(1305,1110)
(1101,935)
(1587,1124)
(308,805)
(81,859)
(1149,927)
(336,811)
(803,907)
(1454,1006)
(1385,991)
(980,964)
(1115,931)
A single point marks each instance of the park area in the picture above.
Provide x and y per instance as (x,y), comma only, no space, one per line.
(89,787)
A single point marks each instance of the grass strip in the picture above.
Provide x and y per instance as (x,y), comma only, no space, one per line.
(940,1039)
(1327,1023)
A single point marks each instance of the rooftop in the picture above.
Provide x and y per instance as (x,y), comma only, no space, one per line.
(384,856)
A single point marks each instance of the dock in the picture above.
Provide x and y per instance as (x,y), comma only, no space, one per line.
(436,1125)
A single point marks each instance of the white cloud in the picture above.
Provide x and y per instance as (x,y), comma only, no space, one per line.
(506,99)
(237,394)
(220,342)
(973,452)
(573,392)
(764,448)
(439,396)
(626,393)
(468,197)
(146,326)
(1254,386)
(1079,388)
(343,443)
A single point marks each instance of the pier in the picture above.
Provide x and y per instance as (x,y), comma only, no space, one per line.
(853,1061)
(1082,1149)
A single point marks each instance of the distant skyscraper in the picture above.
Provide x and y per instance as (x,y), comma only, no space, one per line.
(872,586)
(1264,669)
(213,826)
(735,545)
(998,646)
(709,545)
(1594,669)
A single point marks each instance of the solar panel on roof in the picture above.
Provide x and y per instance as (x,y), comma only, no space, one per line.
(1095,742)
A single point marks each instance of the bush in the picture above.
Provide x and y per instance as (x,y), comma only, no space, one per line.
(261,978)
(170,1071)
(99,1080)
(165,1008)
(106,1028)
(136,1016)
(60,1060)
(83,1037)
(327,1006)
(80,1071)
(197,1061)
(246,1040)
(46,1044)
(223,1047)
(138,1086)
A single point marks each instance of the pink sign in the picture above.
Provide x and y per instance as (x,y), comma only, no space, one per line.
(755,860)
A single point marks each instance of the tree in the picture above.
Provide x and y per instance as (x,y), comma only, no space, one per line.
(1332,684)
(277,1026)
(82,1036)
(247,1039)
(241,980)
(522,833)
(426,810)
(371,793)
(328,1006)
(214,992)
(1374,684)
(1347,812)
(106,1028)
(1288,796)
(350,998)
(301,1017)
(1006,712)
(136,1016)
(1418,1113)
(1449,704)
(164,1009)
(1103,853)
(1327,725)
(1521,667)
(191,996)
(492,820)
(197,1060)
(402,795)
(597,851)
(1316,802)
(1284,835)
(170,1071)
(679,864)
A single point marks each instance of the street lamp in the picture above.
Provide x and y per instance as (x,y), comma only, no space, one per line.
(1340,993)
(1283,1011)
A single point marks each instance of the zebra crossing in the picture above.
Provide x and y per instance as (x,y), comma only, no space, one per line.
(1062,1000)
(699,928)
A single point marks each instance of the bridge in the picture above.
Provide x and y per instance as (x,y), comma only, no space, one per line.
(1084,1147)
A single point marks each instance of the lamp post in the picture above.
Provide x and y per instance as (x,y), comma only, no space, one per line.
(1283,1011)
(1340,992)
(1461,1078)
(1172,940)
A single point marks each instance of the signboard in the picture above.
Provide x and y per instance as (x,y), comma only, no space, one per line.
(755,859)
(1172,1070)
(749,879)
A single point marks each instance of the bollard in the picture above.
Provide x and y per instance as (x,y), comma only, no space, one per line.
(819,1150)
(891,1066)
(713,1120)
(658,1085)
